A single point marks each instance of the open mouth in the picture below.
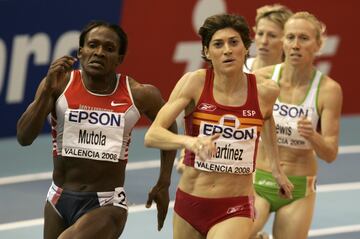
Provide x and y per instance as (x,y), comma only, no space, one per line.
(263,50)
(296,55)
(96,63)
(228,61)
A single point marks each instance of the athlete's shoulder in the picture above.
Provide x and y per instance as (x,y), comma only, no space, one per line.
(328,83)
(191,81)
(329,89)
(143,90)
(195,76)
(145,96)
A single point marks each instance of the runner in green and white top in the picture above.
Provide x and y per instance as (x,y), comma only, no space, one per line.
(287,115)
(307,116)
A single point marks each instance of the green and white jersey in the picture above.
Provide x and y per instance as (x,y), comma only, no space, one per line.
(287,115)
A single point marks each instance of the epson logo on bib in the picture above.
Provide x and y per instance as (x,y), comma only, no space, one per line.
(292,111)
(228,132)
(101,118)
(228,127)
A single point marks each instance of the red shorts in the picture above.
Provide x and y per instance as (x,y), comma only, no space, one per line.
(203,213)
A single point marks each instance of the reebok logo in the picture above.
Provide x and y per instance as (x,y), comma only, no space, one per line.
(206,107)
(232,210)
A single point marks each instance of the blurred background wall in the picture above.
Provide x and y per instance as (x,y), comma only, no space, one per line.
(163,42)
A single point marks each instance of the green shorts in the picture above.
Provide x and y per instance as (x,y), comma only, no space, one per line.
(267,188)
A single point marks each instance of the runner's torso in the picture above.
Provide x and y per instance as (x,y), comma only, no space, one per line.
(236,148)
(91,135)
(296,153)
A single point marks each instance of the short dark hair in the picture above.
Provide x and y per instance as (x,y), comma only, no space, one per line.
(220,21)
(123,40)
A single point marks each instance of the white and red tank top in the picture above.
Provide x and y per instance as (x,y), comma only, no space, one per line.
(238,126)
(94,126)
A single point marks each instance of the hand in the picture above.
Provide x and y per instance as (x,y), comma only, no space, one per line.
(203,146)
(305,128)
(286,187)
(160,195)
(57,72)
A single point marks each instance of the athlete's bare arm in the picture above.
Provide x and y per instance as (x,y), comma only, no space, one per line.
(326,142)
(32,120)
(149,101)
(183,97)
(157,135)
(268,93)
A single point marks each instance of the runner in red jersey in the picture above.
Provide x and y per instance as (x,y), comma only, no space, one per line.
(93,111)
(225,111)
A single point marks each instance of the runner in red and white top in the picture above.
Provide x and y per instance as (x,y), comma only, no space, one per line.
(93,111)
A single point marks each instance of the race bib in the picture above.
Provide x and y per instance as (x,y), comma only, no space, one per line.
(286,117)
(234,149)
(94,135)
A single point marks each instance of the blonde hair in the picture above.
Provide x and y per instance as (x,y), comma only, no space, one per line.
(320,27)
(276,13)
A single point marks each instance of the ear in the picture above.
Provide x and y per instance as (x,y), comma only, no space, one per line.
(319,45)
(79,52)
(206,53)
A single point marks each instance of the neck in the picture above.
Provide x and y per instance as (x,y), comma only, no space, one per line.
(99,84)
(229,82)
(298,75)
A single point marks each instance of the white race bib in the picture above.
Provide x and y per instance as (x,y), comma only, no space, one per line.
(91,134)
(286,117)
(234,149)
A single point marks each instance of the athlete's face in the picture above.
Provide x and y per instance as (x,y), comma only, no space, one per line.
(100,53)
(226,50)
(300,42)
(268,39)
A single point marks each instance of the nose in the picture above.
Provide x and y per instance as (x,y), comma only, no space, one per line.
(295,44)
(99,51)
(264,39)
(227,49)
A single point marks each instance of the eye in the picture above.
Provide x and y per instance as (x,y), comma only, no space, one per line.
(91,45)
(290,37)
(234,42)
(272,35)
(217,44)
(304,38)
(260,33)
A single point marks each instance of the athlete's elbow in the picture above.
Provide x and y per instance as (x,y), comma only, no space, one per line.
(331,157)
(22,134)
(23,141)
(148,139)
